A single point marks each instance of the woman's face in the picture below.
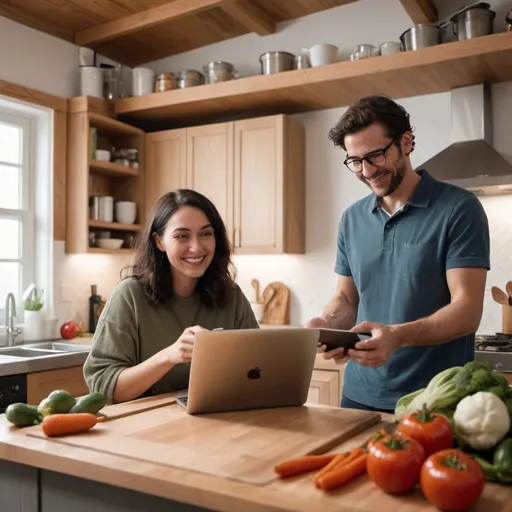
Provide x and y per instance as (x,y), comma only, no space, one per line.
(189,242)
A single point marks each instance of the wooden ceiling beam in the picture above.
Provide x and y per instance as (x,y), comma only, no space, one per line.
(251,16)
(171,11)
(420,11)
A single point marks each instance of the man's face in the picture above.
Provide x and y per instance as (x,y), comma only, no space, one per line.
(387,168)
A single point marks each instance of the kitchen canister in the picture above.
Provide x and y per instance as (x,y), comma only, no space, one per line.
(106,208)
(91,81)
(321,54)
(126,212)
(143,81)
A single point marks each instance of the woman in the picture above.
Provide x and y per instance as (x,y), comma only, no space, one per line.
(180,284)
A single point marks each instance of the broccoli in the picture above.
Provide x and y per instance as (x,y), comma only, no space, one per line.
(498,391)
(473,366)
(501,381)
(481,380)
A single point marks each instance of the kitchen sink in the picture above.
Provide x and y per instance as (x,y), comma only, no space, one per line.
(60,346)
(25,352)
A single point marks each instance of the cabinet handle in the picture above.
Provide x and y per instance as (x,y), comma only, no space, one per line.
(239,233)
(236,237)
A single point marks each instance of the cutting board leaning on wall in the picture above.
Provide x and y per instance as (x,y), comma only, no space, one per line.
(276,304)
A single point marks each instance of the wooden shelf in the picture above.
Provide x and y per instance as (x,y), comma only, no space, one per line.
(113,225)
(430,70)
(112,169)
(110,126)
(99,250)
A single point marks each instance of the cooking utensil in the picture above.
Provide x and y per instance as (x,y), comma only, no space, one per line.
(189,78)
(256,285)
(499,295)
(508,288)
(364,51)
(421,36)
(276,62)
(472,22)
(301,62)
(390,47)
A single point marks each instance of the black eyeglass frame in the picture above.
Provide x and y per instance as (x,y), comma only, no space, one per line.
(377,153)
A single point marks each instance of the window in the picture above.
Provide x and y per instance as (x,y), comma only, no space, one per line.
(16,207)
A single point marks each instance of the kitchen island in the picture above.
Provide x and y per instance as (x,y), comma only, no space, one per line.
(42,475)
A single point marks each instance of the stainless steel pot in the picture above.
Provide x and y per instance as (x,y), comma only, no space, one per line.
(276,62)
(301,62)
(189,78)
(473,22)
(421,36)
(364,51)
(219,71)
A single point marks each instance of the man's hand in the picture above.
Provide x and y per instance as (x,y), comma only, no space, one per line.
(338,354)
(377,350)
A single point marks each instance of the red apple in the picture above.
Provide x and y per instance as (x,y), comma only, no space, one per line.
(69,330)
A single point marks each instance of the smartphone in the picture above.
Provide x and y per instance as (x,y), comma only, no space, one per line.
(339,338)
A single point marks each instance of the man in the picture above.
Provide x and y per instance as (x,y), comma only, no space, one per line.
(412,260)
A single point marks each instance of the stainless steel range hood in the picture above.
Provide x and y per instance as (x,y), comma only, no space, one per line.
(471,162)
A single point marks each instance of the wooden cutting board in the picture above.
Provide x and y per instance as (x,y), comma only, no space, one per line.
(276,304)
(242,445)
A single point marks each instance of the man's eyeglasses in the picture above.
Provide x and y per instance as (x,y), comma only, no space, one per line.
(376,158)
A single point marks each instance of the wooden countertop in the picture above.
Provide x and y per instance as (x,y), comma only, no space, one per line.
(200,489)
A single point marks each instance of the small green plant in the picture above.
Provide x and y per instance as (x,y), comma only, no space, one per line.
(34,301)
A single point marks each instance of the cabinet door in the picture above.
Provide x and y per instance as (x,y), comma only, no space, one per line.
(210,166)
(41,384)
(259,185)
(325,388)
(165,163)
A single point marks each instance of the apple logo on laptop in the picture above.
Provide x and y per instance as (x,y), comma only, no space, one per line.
(254,373)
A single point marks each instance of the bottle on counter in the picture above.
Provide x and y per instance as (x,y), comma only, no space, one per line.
(95,308)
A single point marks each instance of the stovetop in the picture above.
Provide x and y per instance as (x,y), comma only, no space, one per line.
(498,342)
(495,348)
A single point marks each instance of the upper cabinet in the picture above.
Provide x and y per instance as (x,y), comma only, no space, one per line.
(252,170)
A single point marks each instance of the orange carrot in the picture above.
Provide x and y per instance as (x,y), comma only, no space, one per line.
(62,424)
(303,464)
(344,474)
(339,461)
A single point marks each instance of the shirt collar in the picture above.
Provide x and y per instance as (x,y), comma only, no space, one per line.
(421,196)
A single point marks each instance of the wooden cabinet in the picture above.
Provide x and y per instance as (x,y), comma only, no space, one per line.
(41,384)
(87,177)
(326,383)
(252,170)
(166,160)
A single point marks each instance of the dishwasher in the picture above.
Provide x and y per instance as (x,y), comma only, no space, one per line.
(13,389)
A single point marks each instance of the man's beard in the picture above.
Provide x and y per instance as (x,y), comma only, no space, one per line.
(396,179)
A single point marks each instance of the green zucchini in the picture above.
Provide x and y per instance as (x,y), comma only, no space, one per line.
(91,403)
(23,415)
(57,402)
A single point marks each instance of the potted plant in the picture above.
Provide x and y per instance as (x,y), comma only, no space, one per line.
(34,316)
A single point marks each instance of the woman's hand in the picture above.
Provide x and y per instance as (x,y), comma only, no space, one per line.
(181,350)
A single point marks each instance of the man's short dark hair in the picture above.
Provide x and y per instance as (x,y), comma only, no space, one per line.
(372,109)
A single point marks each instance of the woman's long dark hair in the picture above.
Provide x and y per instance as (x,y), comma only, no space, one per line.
(152,268)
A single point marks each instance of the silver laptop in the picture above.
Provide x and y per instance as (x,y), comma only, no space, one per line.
(249,369)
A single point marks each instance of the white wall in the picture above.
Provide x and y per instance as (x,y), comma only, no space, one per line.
(37,60)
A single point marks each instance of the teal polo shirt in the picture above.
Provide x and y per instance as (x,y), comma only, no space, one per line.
(399,264)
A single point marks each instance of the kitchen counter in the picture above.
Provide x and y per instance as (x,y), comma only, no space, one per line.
(37,475)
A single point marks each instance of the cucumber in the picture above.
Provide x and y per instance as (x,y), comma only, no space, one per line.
(57,402)
(90,403)
(23,415)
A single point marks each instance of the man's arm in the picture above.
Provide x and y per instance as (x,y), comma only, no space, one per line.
(341,311)
(459,318)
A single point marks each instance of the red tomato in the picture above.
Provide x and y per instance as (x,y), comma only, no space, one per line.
(432,430)
(452,480)
(69,330)
(394,463)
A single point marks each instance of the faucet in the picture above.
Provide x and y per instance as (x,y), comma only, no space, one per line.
(10,314)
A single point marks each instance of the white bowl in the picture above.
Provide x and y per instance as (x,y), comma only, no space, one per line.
(103,155)
(110,243)
(126,212)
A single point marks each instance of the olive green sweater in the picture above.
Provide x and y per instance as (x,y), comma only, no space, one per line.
(130,330)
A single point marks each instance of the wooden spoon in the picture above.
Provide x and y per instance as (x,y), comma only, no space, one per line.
(508,287)
(499,295)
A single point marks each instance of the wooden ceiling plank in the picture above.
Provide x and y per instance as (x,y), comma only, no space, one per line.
(23,16)
(251,16)
(143,20)
(420,11)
